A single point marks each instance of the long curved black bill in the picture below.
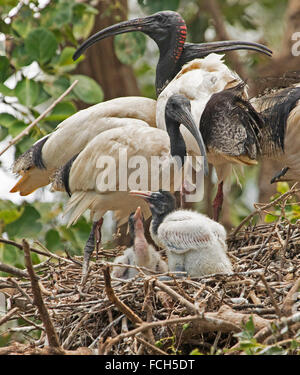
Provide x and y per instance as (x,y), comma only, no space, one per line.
(178,108)
(193,50)
(135,24)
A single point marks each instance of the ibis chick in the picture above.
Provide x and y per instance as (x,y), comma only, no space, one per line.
(194,243)
(140,254)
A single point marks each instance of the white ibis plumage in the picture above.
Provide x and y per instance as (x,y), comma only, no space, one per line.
(194,243)
(85,182)
(140,254)
(38,163)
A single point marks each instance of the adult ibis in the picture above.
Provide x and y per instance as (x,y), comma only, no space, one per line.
(195,244)
(168,30)
(86,181)
(140,254)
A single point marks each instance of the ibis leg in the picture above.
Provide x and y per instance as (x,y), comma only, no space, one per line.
(218,201)
(90,245)
(278,175)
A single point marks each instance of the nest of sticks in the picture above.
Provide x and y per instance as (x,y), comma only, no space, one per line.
(147,316)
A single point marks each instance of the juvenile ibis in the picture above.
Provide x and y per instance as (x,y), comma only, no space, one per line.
(85,181)
(194,243)
(280,111)
(140,253)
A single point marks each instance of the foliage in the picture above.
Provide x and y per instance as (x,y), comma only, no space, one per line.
(291,209)
(35,69)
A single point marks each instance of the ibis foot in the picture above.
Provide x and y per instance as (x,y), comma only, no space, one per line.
(278,176)
(218,202)
(90,246)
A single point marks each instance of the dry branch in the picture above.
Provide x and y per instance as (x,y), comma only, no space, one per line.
(38,299)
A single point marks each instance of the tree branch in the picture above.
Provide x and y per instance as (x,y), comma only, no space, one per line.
(41,116)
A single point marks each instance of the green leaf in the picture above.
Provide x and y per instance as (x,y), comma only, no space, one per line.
(5,70)
(22,26)
(41,44)
(42,96)
(24,144)
(62,13)
(130,47)
(27,92)
(58,87)
(65,62)
(9,212)
(282,187)
(6,119)
(10,255)
(27,225)
(61,111)
(52,238)
(16,128)
(83,28)
(87,89)
(154,6)
(20,57)
(6,91)
(3,133)
(83,20)
(270,218)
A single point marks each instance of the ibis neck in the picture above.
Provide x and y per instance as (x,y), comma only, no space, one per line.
(140,246)
(169,55)
(157,219)
(177,144)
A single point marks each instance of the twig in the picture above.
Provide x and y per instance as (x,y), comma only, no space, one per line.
(258,210)
(207,322)
(177,297)
(152,347)
(278,312)
(116,301)
(13,270)
(20,247)
(290,299)
(6,317)
(38,299)
(41,116)
(264,333)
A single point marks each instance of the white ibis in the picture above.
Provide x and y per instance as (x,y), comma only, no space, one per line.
(38,163)
(85,181)
(194,243)
(140,253)
(168,30)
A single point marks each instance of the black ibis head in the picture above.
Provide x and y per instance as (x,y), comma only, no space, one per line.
(178,112)
(162,27)
(160,202)
(168,30)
